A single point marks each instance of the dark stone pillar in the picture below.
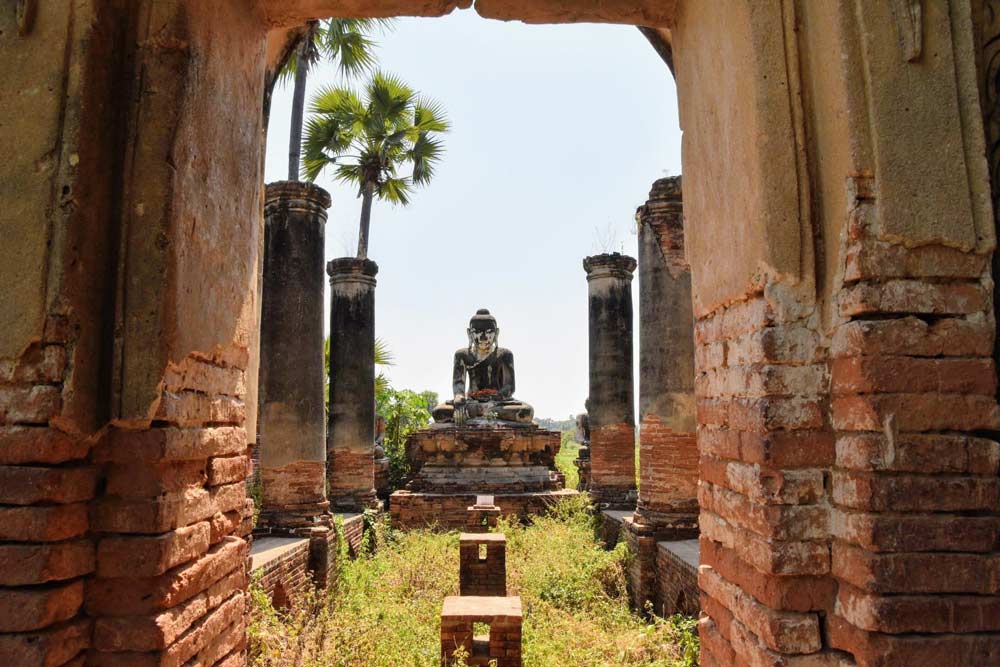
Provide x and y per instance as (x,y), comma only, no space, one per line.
(291,420)
(668,449)
(351,439)
(610,407)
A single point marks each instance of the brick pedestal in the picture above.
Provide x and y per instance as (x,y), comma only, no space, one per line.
(351,426)
(610,404)
(292,429)
(503,644)
(479,573)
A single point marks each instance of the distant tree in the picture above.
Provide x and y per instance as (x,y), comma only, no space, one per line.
(404,411)
(369,136)
(347,42)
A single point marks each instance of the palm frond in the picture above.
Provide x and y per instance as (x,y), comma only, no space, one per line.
(383,355)
(429,116)
(426,153)
(395,191)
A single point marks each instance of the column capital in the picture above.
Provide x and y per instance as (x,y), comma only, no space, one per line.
(609,265)
(296,196)
(351,269)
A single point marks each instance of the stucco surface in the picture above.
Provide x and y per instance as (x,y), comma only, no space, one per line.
(31,132)
(741,171)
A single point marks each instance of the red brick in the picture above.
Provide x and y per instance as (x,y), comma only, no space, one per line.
(926,572)
(761,380)
(884,650)
(886,374)
(899,614)
(188,408)
(22,564)
(206,378)
(915,412)
(223,525)
(913,296)
(774,557)
(916,532)
(158,445)
(26,609)
(49,647)
(776,449)
(38,365)
(764,485)
(29,405)
(139,480)
(148,633)
(923,453)
(39,444)
(204,632)
(877,260)
(912,336)
(785,523)
(146,595)
(785,344)
(228,469)
(789,593)
(140,556)
(782,631)
(28,485)
(152,515)
(715,650)
(908,493)
(47,523)
(736,320)
(761,415)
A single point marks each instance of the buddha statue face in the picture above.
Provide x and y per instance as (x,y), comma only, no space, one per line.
(483,334)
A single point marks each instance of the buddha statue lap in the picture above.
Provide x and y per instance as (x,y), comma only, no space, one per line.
(489,395)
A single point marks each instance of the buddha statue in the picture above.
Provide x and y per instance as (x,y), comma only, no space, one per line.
(490,371)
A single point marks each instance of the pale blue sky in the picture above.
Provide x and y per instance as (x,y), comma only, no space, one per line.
(557,134)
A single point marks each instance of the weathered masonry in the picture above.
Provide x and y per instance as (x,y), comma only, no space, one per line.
(839,227)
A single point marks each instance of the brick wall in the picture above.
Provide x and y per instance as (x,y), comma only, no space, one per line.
(286,576)
(612,464)
(45,486)
(171,558)
(482,575)
(676,584)
(668,468)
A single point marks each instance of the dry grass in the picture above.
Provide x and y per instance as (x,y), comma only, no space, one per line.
(384,611)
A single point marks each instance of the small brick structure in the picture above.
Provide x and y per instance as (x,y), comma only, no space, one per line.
(482,573)
(451,511)
(482,516)
(502,614)
(677,578)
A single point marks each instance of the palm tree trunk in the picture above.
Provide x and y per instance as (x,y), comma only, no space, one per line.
(298,107)
(367,194)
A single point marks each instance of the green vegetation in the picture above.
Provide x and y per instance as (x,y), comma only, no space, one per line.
(404,411)
(569,449)
(384,610)
(368,136)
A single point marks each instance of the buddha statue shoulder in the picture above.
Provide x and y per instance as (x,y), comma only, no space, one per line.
(483,379)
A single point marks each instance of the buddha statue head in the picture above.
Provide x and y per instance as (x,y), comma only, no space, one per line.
(483,334)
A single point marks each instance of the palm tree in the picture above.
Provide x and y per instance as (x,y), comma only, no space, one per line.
(369,136)
(348,41)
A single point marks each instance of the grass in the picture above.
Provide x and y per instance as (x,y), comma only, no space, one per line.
(384,610)
(569,449)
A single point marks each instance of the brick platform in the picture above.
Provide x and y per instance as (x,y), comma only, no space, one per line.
(504,616)
(421,510)
(478,573)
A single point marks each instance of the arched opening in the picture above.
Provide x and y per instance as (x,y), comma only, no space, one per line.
(840,280)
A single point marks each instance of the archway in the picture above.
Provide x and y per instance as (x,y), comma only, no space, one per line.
(844,333)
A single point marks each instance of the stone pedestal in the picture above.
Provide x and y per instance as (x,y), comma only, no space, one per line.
(610,406)
(453,465)
(351,425)
(668,448)
(291,428)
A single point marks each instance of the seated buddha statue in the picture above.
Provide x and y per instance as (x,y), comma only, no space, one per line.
(490,371)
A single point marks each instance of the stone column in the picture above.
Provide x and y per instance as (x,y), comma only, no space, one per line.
(351,432)
(291,423)
(611,411)
(668,448)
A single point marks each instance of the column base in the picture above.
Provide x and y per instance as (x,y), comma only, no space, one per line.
(583,470)
(613,498)
(357,501)
(294,519)
(680,523)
